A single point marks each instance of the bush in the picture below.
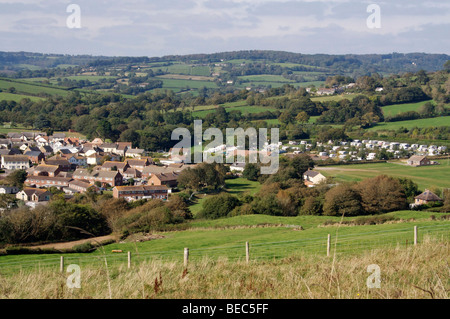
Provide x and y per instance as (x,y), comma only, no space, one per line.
(83,248)
(218,206)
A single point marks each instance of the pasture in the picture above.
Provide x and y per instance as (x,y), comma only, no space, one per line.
(429,122)
(424,176)
(394,109)
(30,88)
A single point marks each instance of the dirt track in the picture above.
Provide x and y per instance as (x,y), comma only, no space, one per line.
(70,244)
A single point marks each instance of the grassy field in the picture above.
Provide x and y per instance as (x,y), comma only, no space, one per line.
(395,109)
(430,122)
(406,273)
(425,176)
(29,88)
(17,97)
(178,85)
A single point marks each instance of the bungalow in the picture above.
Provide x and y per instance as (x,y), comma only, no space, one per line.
(131,193)
(168,179)
(109,147)
(46,170)
(325,91)
(113,178)
(139,164)
(34,194)
(312,178)
(150,170)
(63,164)
(135,152)
(417,160)
(426,197)
(77,160)
(77,186)
(113,165)
(13,162)
(9,189)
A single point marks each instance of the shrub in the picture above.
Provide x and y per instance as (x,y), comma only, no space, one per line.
(83,248)
(218,206)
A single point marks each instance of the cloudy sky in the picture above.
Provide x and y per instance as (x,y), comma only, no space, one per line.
(156,27)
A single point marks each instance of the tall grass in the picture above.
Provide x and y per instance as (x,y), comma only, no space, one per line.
(413,272)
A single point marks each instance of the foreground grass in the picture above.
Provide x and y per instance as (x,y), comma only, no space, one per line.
(414,272)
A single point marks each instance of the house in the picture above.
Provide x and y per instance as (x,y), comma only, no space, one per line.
(77,186)
(148,171)
(9,189)
(325,91)
(418,160)
(168,179)
(131,193)
(47,181)
(135,152)
(46,170)
(426,197)
(114,165)
(63,164)
(312,178)
(113,178)
(13,162)
(35,156)
(139,164)
(34,194)
(237,166)
(109,147)
(77,160)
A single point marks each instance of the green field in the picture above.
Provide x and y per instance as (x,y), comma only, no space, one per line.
(17,97)
(265,78)
(30,88)
(430,122)
(395,109)
(269,237)
(178,85)
(425,176)
(185,69)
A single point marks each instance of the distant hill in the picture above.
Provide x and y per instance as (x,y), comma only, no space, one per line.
(351,64)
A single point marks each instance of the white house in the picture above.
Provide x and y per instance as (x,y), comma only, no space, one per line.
(13,162)
(312,178)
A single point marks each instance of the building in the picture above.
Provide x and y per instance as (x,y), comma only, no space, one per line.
(35,156)
(131,193)
(426,197)
(63,164)
(34,195)
(167,179)
(77,186)
(46,170)
(312,178)
(13,162)
(238,166)
(113,165)
(139,164)
(417,160)
(9,189)
(113,178)
(47,181)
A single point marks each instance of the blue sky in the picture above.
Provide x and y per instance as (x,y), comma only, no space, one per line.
(156,28)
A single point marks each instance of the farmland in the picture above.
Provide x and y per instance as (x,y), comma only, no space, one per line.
(428,122)
(29,88)
(425,176)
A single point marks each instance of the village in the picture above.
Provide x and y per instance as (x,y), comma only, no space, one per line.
(73,165)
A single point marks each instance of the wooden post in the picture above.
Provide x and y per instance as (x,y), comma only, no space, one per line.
(328,245)
(129,259)
(415,235)
(61,264)
(247,251)
(186,256)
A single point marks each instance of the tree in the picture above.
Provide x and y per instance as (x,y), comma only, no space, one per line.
(302,117)
(342,200)
(381,194)
(17,178)
(251,172)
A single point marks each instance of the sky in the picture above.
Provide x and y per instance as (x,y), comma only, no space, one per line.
(176,27)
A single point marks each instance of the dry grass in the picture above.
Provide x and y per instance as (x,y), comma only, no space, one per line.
(413,272)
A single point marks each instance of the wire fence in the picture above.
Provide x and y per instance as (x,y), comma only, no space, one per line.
(331,245)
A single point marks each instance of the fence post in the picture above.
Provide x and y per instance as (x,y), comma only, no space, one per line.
(129,259)
(61,264)
(328,245)
(186,256)
(247,251)
(415,235)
